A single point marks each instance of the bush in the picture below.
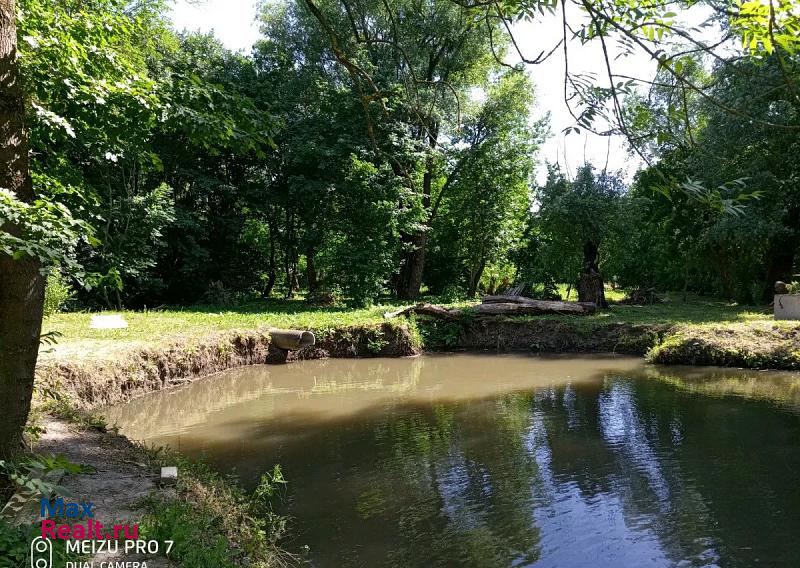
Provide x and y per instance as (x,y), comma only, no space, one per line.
(219,295)
(56,293)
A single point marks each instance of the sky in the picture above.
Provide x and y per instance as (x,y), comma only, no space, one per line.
(233,22)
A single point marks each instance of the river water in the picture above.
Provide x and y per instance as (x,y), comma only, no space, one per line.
(505,460)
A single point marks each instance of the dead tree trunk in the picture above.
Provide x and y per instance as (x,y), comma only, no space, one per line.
(21,283)
(493,306)
(590,285)
(546,306)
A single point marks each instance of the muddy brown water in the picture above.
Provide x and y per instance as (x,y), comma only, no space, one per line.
(505,460)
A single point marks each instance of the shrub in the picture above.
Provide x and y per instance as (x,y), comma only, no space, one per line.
(56,293)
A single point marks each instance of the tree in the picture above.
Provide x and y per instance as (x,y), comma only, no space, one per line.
(483,202)
(21,281)
(712,238)
(410,65)
(51,71)
(574,218)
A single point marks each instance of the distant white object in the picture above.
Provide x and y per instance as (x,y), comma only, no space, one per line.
(787,306)
(114,321)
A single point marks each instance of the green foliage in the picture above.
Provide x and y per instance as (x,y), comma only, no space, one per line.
(198,542)
(91,103)
(45,230)
(56,293)
(30,473)
(376,342)
(485,196)
(438,334)
(360,258)
(765,27)
(15,546)
(214,523)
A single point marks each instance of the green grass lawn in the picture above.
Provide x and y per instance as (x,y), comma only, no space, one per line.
(78,340)
(674,310)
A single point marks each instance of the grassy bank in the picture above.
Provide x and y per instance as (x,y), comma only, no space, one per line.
(702,331)
(156,327)
(77,340)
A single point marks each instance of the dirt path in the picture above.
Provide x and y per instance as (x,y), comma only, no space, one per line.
(119,483)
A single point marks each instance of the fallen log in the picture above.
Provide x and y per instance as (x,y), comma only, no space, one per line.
(543,306)
(425,310)
(528,307)
(511,309)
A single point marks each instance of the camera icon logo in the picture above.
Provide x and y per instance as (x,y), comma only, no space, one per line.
(41,553)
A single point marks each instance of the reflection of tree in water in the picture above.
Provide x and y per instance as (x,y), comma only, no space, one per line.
(739,459)
(443,485)
(780,388)
(619,470)
(695,472)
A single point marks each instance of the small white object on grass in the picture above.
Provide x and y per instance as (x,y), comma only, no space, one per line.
(114,321)
(169,475)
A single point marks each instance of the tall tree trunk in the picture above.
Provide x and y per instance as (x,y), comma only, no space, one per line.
(21,283)
(409,281)
(272,275)
(311,272)
(289,255)
(590,285)
(287,269)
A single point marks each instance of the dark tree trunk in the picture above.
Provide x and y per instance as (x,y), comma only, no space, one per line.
(475,279)
(590,285)
(311,272)
(272,274)
(409,281)
(290,257)
(21,283)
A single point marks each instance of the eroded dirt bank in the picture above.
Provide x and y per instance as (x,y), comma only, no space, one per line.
(89,383)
